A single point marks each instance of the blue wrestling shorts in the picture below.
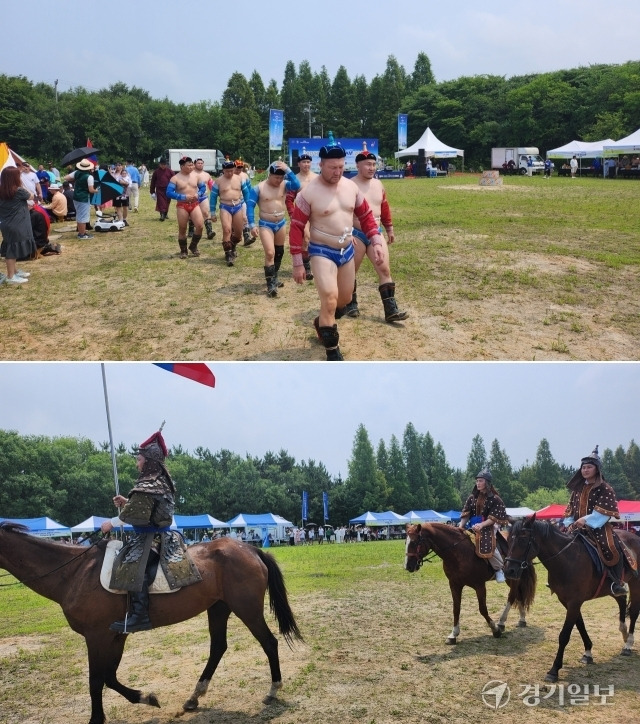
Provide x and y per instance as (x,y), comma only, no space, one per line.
(361,236)
(339,257)
(275,226)
(233,210)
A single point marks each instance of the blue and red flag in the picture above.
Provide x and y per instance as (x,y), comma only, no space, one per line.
(93,158)
(196,371)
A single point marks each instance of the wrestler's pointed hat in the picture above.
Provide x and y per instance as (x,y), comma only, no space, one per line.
(332,149)
(365,154)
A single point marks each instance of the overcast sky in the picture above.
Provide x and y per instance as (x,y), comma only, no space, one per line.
(189,52)
(313,410)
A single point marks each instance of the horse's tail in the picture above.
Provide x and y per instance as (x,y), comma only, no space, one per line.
(278,600)
(523,591)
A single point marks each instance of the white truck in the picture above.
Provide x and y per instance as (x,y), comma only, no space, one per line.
(212,158)
(517,160)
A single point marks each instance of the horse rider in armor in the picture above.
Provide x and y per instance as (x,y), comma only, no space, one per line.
(484,511)
(149,509)
(592,505)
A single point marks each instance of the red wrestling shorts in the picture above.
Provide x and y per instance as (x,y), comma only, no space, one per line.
(188,205)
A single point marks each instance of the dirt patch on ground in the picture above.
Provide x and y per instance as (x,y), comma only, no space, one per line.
(126,296)
(370,656)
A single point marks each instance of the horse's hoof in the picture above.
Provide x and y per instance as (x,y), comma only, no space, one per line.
(451,641)
(497,632)
(152,700)
(522,624)
(551,677)
(586,659)
(190,705)
(268,699)
(625,652)
(501,627)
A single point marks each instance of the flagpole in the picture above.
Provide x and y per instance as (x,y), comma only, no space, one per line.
(113,452)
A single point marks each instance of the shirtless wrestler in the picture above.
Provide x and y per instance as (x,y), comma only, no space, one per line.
(205,182)
(240,170)
(233,193)
(373,191)
(328,203)
(304,176)
(269,196)
(184,188)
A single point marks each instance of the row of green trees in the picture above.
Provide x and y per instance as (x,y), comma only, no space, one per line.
(474,113)
(69,479)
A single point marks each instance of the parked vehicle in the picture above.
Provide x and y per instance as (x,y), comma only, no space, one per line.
(517,160)
(212,158)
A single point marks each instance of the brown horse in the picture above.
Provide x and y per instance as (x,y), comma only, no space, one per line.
(463,568)
(235,578)
(572,577)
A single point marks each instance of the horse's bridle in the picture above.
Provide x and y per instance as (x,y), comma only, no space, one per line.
(421,550)
(525,563)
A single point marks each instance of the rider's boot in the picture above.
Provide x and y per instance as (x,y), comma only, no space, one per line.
(137,619)
(618,587)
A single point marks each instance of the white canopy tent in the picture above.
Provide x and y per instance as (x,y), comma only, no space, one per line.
(580,149)
(628,144)
(431,146)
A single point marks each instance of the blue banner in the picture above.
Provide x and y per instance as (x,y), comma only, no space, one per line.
(403,122)
(325,505)
(312,146)
(276,129)
(305,505)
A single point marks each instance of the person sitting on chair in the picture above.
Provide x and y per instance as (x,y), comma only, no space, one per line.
(149,509)
(485,511)
(592,505)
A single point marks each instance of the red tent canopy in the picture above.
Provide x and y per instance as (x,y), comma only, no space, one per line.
(629,506)
(551,511)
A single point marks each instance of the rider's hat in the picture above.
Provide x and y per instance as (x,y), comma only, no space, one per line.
(485,473)
(154,448)
(594,459)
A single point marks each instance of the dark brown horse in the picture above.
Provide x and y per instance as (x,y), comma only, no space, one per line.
(463,568)
(235,578)
(573,577)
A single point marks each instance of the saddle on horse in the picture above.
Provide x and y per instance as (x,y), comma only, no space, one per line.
(609,553)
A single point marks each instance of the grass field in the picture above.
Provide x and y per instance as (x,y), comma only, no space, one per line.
(374,653)
(534,270)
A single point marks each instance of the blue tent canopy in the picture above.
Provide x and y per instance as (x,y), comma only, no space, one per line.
(41,526)
(91,524)
(389,517)
(453,514)
(245,520)
(197,521)
(427,516)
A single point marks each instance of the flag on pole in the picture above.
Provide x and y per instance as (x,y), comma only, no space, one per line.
(305,505)
(325,506)
(403,120)
(196,371)
(93,158)
(276,129)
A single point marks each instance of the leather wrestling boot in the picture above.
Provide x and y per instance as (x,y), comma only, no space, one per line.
(351,309)
(279,253)
(137,619)
(228,252)
(183,248)
(190,231)
(209,227)
(307,270)
(163,216)
(272,281)
(193,246)
(391,311)
(246,235)
(330,338)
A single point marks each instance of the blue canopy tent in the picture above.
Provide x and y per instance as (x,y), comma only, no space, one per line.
(42,526)
(92,524)
(367,518)
(427,516)
(197,522)
(266,522)
(453,514)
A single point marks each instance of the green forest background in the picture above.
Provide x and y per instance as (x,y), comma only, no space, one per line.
(473,113)
(69,479)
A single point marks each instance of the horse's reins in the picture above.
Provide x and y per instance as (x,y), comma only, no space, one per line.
(427,557)
(524,563)
(48,573)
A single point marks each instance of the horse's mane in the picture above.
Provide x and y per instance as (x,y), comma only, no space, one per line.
(10,527)
(445,528)
(542,528)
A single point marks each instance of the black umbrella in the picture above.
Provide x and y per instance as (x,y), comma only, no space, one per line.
(78,154)
(108,187)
